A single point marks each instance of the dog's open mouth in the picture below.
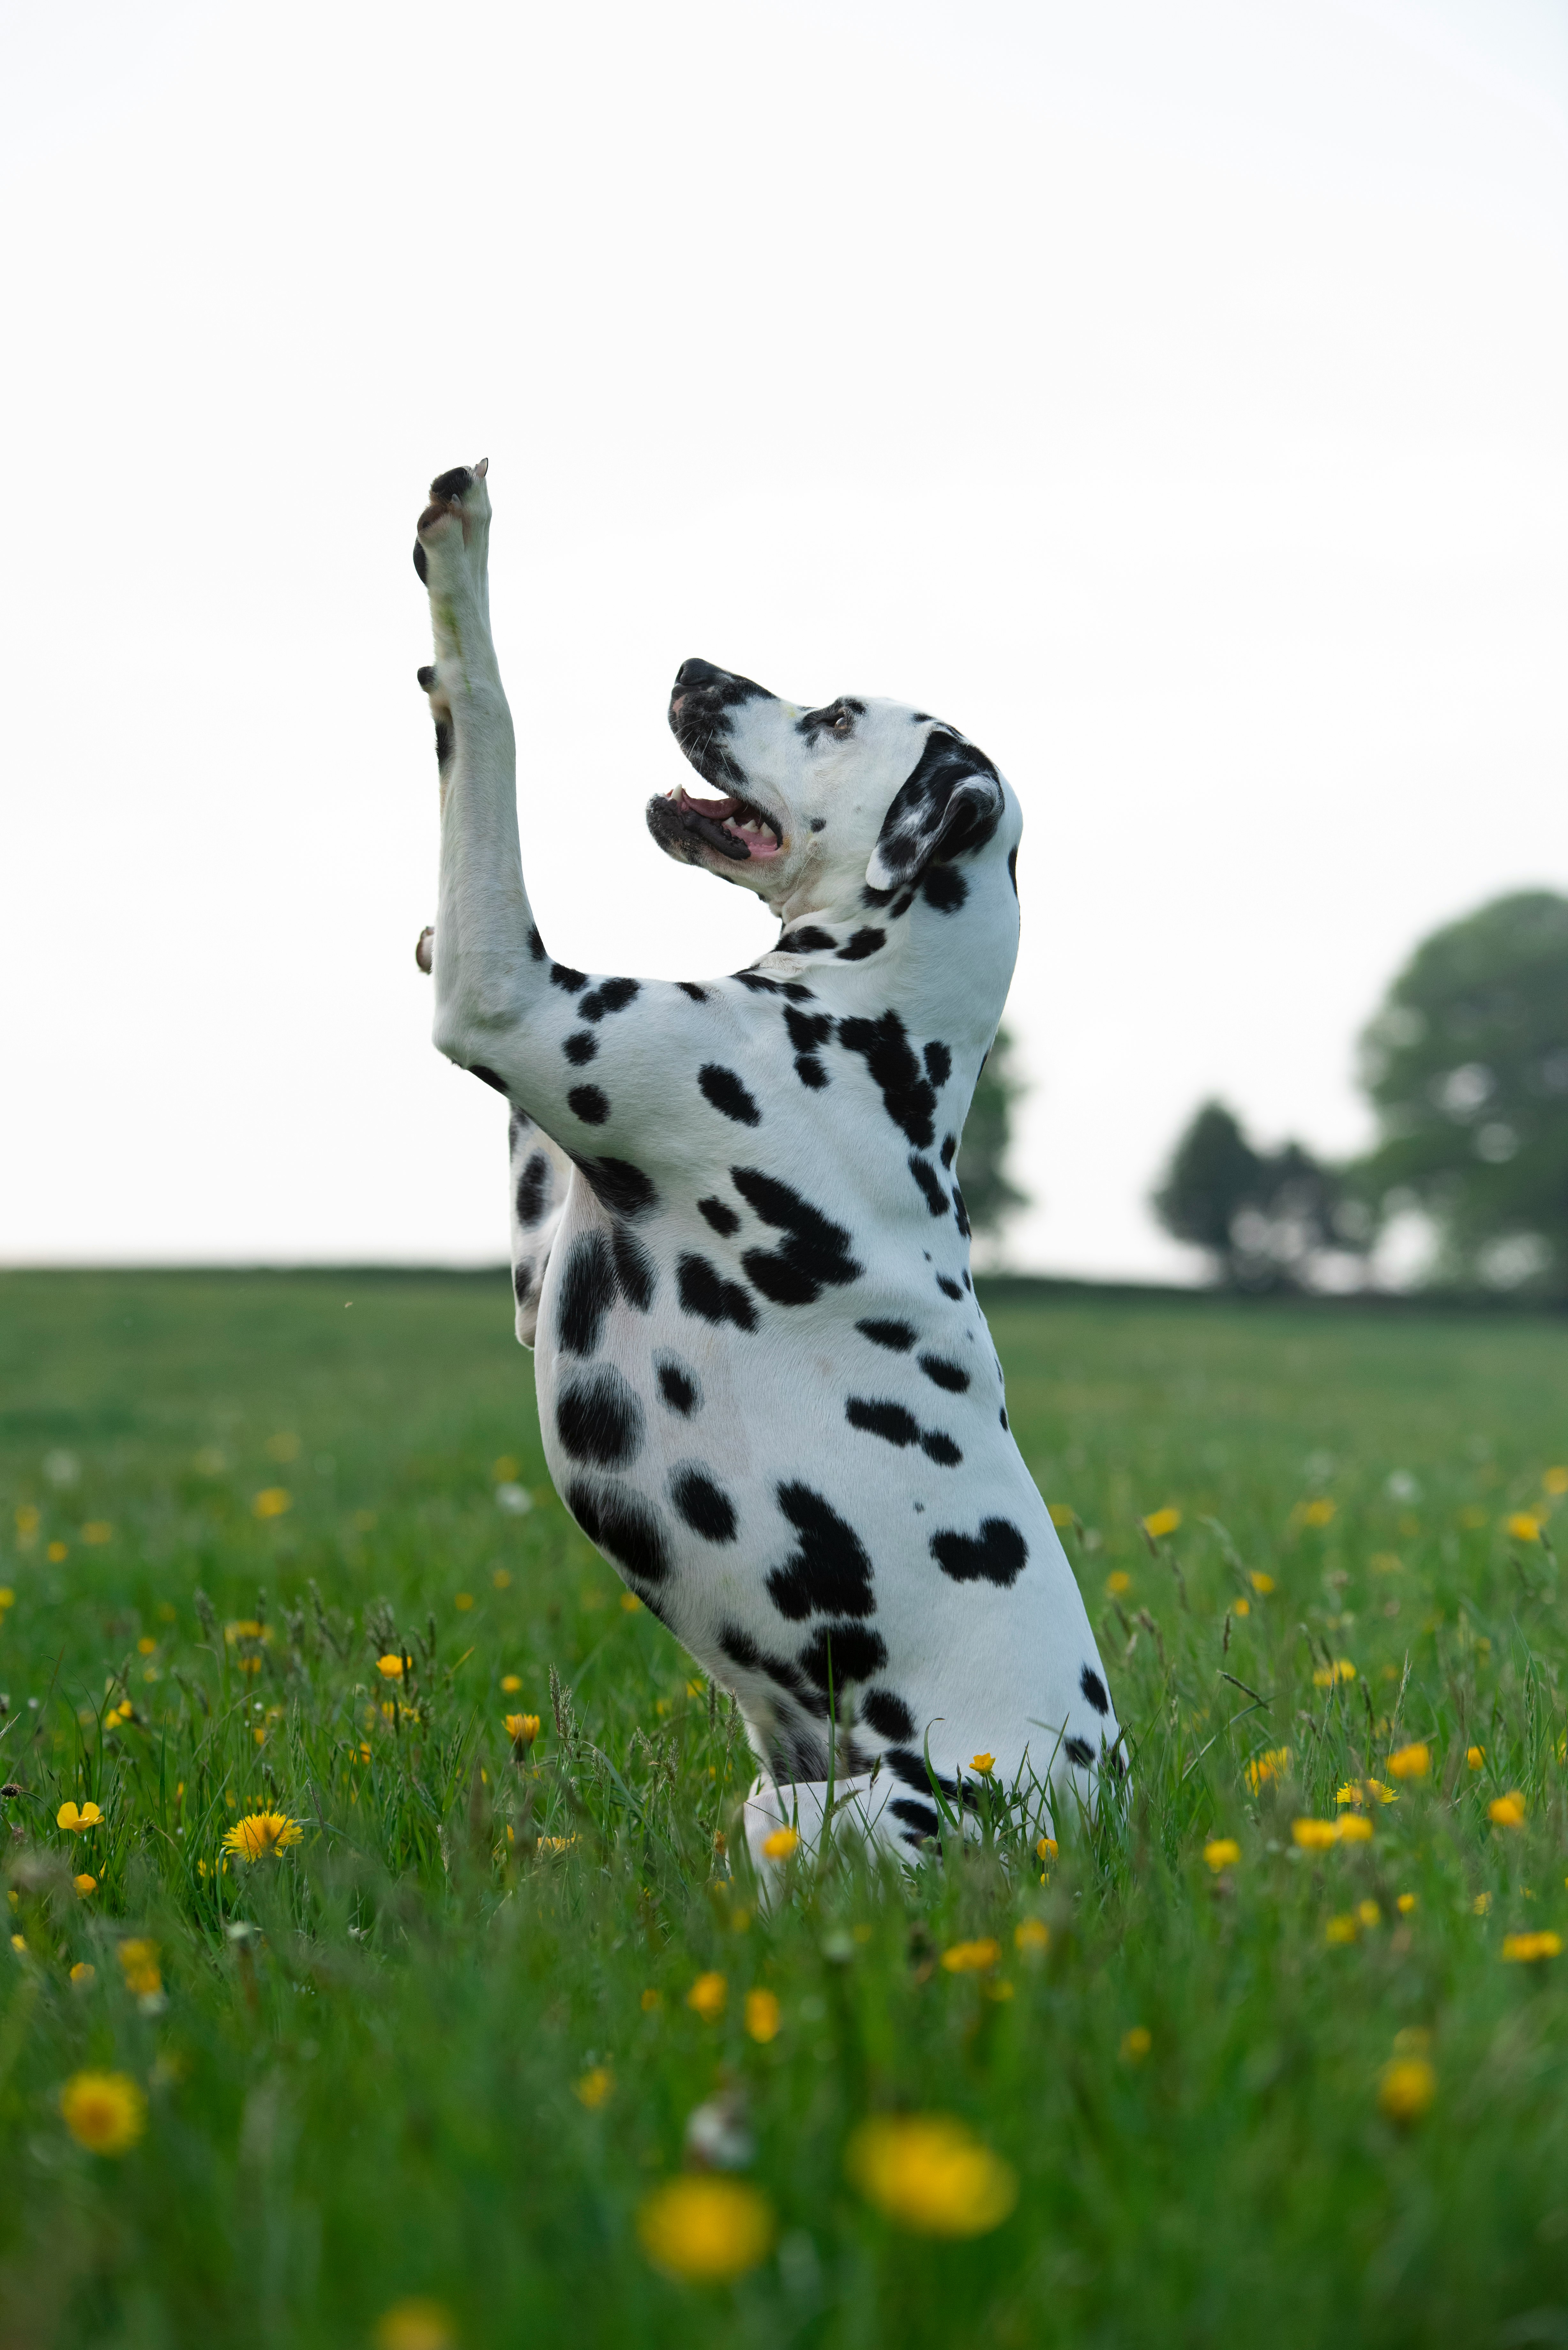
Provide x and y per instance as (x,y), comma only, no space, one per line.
(734,825)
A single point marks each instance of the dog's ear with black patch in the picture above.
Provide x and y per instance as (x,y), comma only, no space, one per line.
(951,803)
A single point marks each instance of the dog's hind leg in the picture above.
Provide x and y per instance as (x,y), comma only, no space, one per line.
(541,1174)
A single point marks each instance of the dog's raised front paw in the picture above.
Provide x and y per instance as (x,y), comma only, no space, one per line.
(456,520)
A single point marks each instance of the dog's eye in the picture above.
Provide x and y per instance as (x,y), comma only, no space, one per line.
(843,722)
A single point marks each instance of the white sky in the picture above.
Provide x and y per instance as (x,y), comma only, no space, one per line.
(1173,396)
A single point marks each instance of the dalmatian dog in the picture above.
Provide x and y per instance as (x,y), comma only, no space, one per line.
(766,1389)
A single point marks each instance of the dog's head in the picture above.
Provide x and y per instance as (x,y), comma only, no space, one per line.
(840,805)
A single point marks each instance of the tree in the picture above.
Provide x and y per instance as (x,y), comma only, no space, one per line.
(1268,1219)
(988,1195)
(1466,1065)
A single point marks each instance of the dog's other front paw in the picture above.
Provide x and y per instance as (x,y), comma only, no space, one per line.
(455,525)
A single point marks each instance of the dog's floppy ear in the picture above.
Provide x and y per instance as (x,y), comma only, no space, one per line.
(951,803)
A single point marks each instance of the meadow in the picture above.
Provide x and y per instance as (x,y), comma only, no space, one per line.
(383,1969)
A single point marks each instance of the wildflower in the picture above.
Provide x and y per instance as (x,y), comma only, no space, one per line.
(1320,1512)
(416,2325)
(260,1832)
(1405,1904)
(1137,2043)
(1047,1848)
(1340,1930)
(57,1553)
(1411,1762)
(1119,1581)
(1262,1583)
(552,1844)
(1475,1756)
(984,1764)
(780,1843)
(1525,1949)
(630,1602)
(593,2088)
(1523,1527)
(274,1501)
(1369,1913)
(1061,1514)
(706,2227)
(1221,1852)
(501,1580)
(105,2112)
(1241,1607)
(7,1597)
(1316,1835)
(1161,1521)
(972,1958)
(27,1518)
(75,1822)
(522,1728)
(1555,1482)
(1354,1828)
(1507,1811)
(463,1602)
(83,1971)
(390,1667)
(511,1683)
(503,1471)
(707,1996)
(1264,1769)
(139,1964)
(761,2017)
(98,1529)
(1406,2089)
(1482,1905)
(929,2173)
(85,1883)
(1328,1676)
(1032,1936)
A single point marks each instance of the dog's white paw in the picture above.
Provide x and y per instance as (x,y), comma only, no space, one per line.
(450,536)
(424,952)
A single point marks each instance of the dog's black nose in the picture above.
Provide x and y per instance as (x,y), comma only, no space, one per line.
(697,672)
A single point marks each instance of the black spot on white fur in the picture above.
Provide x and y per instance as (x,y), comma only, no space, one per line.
(1078,1750)
(997,1554)
(586,1294)
(580,1046)
(850,1652)
(897,1336)
(1093,1689)
(816,1255)
(926,1176)
(590,1104)
(679,1385)
(828,1572)
(920,1819)
(888,1715)
(907,1095)
(721,1215)
(534,1188)
(724,1090)
(705,1506)
(624,1526)
(704,1292)
(599,1418)
(943,1374)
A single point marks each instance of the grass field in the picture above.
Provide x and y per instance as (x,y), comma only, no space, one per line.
(425,2076)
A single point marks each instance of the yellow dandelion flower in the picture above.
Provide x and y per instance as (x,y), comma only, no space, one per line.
(1523,1527)
(1329,1676)
(1350,1793)
(630,1602)
(761,2017)
(139,1964)
(1316,1835)
(1264,1769)
(416,2325)
(1556,1480)
(1369,1914)
(1137,2043)
(273,1501)
(85,1883)
(1221,1852)
(1341,1929)
(57,1553)
(391,1666)
(1320,1512)
(1482,1905)
(706,2227)
(83,1972)
(105,2112)
(594,2087)
(1475,1757)
(707,1996)
(1047,1848)
(509,1684)
(1262,1583)
(75,1822)
(522,1728)
(1406,1903)
(1031,1936)
(1159,1523)
(1507,1811)
(1406,2089)
(1411,1762)
(780,1843)
(261,1833)
(1354,1828)
(1524,1950)
(463,1602)
(1119,1581)
(972,1958)
(1241,1607)
(984,1764)
(929,2173)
